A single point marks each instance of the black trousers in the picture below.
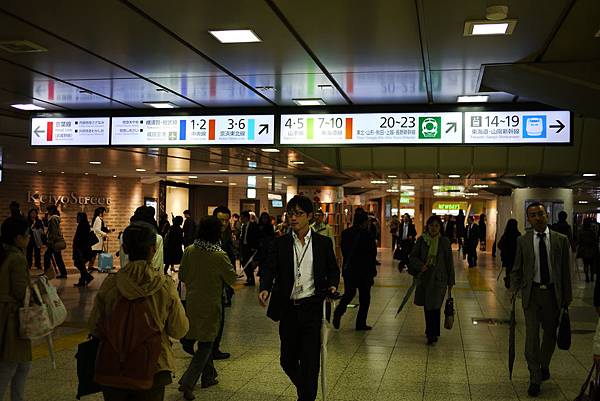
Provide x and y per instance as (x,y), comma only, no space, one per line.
(432,322)
(32,249)
(57,258)
(364,300)
(394,241)
(300,335)
(406,246)
(471,251)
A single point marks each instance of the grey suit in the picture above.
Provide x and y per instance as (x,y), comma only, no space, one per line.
(542,305)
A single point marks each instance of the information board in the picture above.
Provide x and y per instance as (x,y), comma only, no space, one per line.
(536,127)
(193,130)
(371,128)
(70,131)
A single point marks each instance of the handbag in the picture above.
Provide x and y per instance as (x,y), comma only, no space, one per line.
(56,308)
(92,239)
(86,367)
(591,386)
(449,313)
(34,319)
(563,338)
(59,245)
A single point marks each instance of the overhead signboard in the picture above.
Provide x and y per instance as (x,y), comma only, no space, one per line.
(371,128)
(193,130)
(508,127)
(70,131)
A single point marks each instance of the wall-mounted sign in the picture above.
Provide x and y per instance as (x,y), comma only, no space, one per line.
(193,130)
(509,127)
(372,128)
(70,131)
(38,198)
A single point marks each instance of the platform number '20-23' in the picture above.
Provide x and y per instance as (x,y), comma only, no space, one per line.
(403,122)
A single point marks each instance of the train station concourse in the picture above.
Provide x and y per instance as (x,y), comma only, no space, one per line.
(299,200)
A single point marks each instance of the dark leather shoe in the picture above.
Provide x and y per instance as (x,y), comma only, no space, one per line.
(533,390)
(188,394)
(209,383)
(336,321)
(545,374)
(221,355)
(364,328)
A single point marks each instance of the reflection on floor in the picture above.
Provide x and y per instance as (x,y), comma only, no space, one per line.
(391,362)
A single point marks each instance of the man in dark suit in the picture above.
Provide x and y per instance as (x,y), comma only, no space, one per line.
(406,237)
(248,245)
(301,271)
(448,230)
(471,241)
(189,229)
(542,272)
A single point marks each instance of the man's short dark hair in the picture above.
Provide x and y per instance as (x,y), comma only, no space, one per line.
(221,209)
(360,217)
(138,238)
(535,204)
(562,215)
(209,230)
(301,202)
(187,212)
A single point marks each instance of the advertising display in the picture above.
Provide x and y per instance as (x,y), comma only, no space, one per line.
(372,129)
(193,130)
(509,127)
(70,131)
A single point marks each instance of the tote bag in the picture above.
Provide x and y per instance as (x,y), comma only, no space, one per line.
(56,308)
(34,319)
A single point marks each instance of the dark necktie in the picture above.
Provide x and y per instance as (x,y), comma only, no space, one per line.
(544,269)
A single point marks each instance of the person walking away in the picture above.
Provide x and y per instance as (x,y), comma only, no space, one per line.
(145,214)
(508,248)
(163,225)
(174,244)
(431,259)
(460,231)
(35,239)
(587,249)
(482,233)
(248,245)
(101,232)
(563,227)
(189,229)
(82,249)
(320,226)
(407,234)
(15,352)
(471,241)
(394,226)
(56,243)
(359,269)
(139,288)
(266,235)
(205,270)
(542,274)
(300,273)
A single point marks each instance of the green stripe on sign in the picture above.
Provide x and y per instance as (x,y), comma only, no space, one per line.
(310,133)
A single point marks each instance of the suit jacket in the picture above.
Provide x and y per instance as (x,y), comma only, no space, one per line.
(523,271)
(472,235)
(448,230)
(252,236)
(189,231)
(278,274)
(412,231)
(360,257)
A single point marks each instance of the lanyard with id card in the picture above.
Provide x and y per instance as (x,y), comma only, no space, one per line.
(298,288)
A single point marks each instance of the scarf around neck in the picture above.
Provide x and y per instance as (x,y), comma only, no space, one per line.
(207,246)
(432,243)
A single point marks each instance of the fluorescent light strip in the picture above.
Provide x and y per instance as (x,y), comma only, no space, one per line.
(309,102)
(34,162)
(472,98)
(95,162)
(270,150)
(27,107)
(236,36)
(584,174)
(161,105)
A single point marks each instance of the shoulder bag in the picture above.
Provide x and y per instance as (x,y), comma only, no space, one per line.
(34,319)
(56,308)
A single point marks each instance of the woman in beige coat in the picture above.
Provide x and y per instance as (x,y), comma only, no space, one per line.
(15,353)
(205,268)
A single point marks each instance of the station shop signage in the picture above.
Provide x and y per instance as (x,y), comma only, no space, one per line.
(70,131)
(193,130)
(371,128)
(74,198)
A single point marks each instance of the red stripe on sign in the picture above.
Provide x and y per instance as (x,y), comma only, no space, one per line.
(50,90)
(49,131)
(211,130)
(348,128)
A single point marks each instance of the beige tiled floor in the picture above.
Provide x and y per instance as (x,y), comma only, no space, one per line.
(391,362)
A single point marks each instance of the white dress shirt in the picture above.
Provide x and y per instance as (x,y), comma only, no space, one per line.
(536,250)
(304,279)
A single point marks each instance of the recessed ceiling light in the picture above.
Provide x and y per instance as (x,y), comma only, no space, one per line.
(192,176)
(140,170)
(161,105)
(62,172)
(27,107)
(480,186)
(223,170)
(31,162)
(453,175)
(270,150)
(407,187)
(297,162)
(114,176)
(232,183)
(235,36)
(86,173)
(39,171)
(218,181)
(481,28)
(392,190)
(267,178)
(521,175)
(471,193)
(95,162)
(584,174)
(392,176)
(381,182)
(583,202)
(309,102)
(472,98)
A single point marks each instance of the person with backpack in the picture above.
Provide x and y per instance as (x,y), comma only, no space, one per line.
(141,305)
(205,269)
(15,352)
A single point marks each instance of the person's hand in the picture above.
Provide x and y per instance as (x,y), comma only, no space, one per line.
(263,298)
(332,290)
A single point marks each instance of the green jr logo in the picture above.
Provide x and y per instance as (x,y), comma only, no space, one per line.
(430,127)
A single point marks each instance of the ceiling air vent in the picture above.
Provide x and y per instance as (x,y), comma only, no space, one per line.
(21,46)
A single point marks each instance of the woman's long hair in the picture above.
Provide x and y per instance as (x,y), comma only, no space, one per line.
(512,228)
(11,228)
(82,221)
